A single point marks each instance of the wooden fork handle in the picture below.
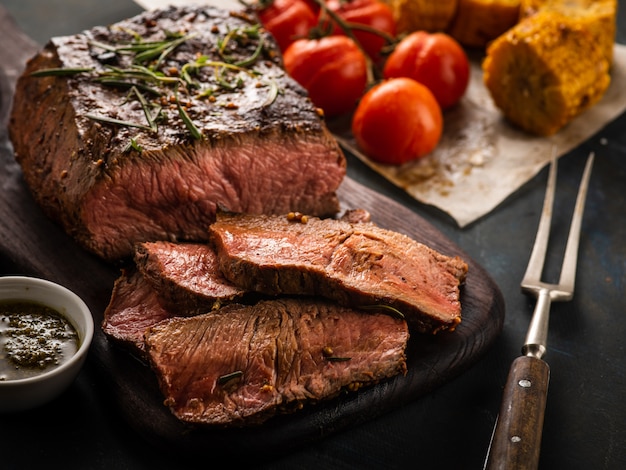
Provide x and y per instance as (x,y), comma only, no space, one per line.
(517,436)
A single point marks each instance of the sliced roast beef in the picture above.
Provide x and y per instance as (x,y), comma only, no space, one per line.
(186,276)
(243,364)
(134,306)
(126,144)
(358,264)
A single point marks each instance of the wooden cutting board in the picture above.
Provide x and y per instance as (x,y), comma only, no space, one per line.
(32,244)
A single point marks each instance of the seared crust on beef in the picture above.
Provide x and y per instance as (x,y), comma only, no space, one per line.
(264,147)
(244,364)
(356,264)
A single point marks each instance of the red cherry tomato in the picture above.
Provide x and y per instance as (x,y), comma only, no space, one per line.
(436,60)
(371,13)
(332,69)
(397,121)
(287,20)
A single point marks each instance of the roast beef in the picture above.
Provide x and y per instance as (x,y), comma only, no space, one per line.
(138,140)
(241,365)
(186,276)
(168,279)
(357,264)
(134,306)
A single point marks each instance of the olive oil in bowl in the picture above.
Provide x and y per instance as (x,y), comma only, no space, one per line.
(45,334)
(34,339)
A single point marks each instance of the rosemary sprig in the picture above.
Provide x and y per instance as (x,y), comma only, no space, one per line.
(237,35)
(220,69)
(240,35)
(60,71)
(223,82)
(130,32)
(253,58)
(143,77)
(191,127)
(145,51)
(132,145)
(121,83)
(103,46)
(272,93)
(393,310)
(140,72)
(329,355)
(146,109)
(224,379)
(118,122)
(161,50)
(337,359)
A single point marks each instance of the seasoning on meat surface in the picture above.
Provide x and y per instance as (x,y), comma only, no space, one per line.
(545,71)
(245,364)
(355,264)
(138,131)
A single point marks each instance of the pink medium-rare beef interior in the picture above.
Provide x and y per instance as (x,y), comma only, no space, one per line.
(412,274)
(278,353)
(355,264)
(134,306)
(174,194)
(186,276)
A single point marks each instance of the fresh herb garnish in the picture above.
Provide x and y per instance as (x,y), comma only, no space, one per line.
(147,77)
(272,93)
(161,50)
(224,379)
(195,132)
(132,145)
(61,71)
(393,310)
(329,355)
(118,122)
(146,109)
(337,359)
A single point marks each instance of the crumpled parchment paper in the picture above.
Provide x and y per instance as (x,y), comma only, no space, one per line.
(481,159)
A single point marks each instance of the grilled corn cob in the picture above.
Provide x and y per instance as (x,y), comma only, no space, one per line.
(426,15)
(598,16)
(545,71)
(477,22)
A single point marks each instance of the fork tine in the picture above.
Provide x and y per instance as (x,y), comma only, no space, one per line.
(535,265)
(568,270)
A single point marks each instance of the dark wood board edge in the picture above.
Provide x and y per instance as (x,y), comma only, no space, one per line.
(32,244)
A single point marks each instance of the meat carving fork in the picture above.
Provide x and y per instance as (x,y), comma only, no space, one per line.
(516,438)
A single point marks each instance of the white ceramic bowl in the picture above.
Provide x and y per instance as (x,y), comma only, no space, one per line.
(21,394)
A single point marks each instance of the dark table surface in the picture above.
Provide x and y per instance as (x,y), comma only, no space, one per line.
(585,421)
